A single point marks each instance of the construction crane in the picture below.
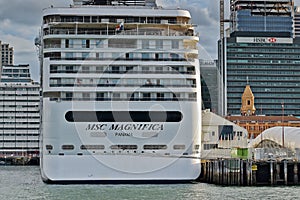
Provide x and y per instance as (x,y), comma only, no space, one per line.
(222,19)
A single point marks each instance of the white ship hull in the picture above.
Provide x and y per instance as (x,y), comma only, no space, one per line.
(119,165)
(105,168)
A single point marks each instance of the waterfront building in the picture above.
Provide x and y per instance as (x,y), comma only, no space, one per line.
(256,124)
(220,136)
(19,112)
(211,86)
(122,81)
(277,143)
(6,53)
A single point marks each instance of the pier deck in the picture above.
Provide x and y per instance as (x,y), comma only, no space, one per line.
(236,172)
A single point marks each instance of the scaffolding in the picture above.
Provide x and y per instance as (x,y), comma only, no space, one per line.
(264,7)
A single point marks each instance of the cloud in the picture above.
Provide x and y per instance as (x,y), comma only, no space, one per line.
(205,14)
(20,22)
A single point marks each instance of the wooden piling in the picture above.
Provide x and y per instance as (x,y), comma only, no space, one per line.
(296,173)
(229,172)
(241,172)
(271,173)
(285,170)
(248,174)
(277,179)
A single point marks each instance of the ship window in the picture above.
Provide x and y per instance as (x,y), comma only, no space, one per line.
(123,116)
(67,43)
(175,44)
(155,147)
(99,43)
(49,147)
(67,147)
(145,44)
(92,147)
(197,147)
(179,147)
(85,43)
(69,55)
(124,147)
(159,44)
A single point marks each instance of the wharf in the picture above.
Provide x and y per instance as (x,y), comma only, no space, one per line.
(19,160)
(238,172)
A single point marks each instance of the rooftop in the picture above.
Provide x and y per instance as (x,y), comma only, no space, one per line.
(258,118)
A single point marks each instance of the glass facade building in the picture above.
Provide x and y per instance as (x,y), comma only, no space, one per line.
(211,86)
(247,22)
(271,65)
(262,16)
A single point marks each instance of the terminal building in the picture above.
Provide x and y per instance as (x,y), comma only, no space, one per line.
(220,136)
(19,112)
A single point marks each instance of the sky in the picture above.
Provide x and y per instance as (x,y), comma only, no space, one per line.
(20,22)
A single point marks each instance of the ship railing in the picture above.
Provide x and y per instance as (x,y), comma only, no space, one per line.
(123,85)
(120,72)
(130,46)
(114,32)
(123,99)
(124,59)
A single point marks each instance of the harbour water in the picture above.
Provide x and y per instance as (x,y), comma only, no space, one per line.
(24,182)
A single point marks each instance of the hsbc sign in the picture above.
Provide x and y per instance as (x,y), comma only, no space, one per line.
(263,40)
(272,40)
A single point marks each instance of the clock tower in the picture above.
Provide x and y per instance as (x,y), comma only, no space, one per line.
(248,107)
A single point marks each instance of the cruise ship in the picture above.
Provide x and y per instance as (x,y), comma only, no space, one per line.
(121,93)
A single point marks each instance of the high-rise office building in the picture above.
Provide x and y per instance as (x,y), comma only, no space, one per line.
(266,58)
(19,112)
(272,66)
(210,86)
(6,53)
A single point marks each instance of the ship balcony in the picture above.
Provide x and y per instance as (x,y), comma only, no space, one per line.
(146,30)
(123,85)
(58,58)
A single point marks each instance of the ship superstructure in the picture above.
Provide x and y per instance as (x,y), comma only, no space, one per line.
(121,93)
